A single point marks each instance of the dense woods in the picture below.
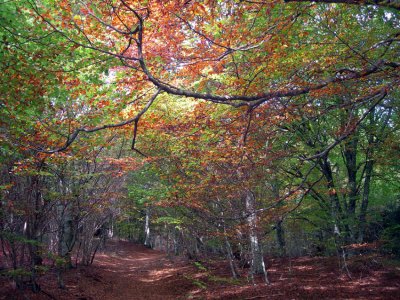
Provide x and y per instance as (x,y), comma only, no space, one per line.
(241,130)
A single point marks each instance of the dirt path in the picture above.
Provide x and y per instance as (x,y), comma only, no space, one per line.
(129,271)
(124,271)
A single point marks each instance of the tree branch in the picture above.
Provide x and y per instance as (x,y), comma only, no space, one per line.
(77,131)
(395,4)
(381,95)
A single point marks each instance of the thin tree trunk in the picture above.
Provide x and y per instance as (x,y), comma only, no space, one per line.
(369,166)
(280,233)
(350,154)
(336,208)
(365,199)
(257,263)
(229,252)
(147,228)
(31,230)
(280,236)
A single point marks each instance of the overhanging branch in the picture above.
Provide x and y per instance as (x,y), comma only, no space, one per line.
(380,95)
(77,131)
(395,4)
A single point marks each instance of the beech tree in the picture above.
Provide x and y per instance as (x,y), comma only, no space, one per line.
(241,54)
(247,109)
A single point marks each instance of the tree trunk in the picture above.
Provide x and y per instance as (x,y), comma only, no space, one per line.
(230,257)
(369,166)
(147,241)
(66,234)
(365,199)
(280,233)
(31,230)
(280,236)
(336,208)
(229,252)
(350,154)
(257,260)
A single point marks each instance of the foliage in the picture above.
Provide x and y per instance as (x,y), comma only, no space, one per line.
(291,104)
(391,239)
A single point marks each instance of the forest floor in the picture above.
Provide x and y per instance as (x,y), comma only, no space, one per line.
(128,271)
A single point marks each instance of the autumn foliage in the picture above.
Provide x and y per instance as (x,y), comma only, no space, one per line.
(233,128)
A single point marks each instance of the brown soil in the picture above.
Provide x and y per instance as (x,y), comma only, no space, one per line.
(128,271)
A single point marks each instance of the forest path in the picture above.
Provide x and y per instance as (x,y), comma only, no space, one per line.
(131,271)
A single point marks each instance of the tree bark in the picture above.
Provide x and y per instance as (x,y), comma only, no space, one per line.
(257,260)
(280,232)
(147,241)
(280,236)
(230,256)
(365,199)
(336,208)
(350,154)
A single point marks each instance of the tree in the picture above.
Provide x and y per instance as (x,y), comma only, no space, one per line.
(144,39)
(310,93)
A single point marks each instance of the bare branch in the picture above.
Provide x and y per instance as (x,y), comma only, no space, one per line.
(380,95)
(77,131)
